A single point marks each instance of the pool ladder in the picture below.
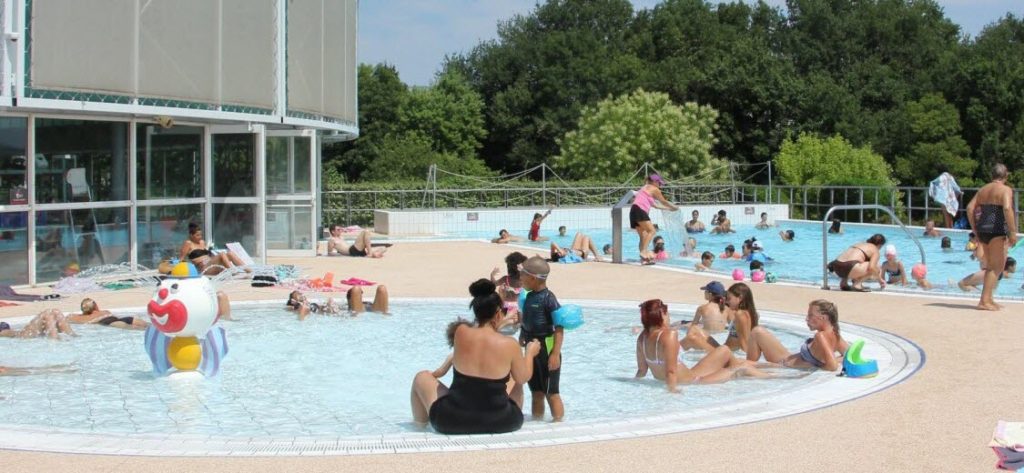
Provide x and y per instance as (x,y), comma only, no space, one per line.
(824,234)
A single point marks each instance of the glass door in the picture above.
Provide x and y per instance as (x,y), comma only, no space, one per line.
(235,206)
(291,227)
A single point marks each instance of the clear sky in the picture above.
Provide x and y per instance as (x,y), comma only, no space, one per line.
(415,35)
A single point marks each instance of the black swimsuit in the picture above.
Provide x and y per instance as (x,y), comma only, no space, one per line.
(476,406)
(991,223)
(111,319)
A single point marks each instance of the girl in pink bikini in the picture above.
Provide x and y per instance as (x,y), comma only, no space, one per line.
(639,214)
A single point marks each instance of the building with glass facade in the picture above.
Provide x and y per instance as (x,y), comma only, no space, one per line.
(122,121)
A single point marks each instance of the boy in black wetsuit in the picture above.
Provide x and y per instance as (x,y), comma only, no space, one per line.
(538,324)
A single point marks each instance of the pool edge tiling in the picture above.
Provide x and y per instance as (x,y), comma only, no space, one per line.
(898,358)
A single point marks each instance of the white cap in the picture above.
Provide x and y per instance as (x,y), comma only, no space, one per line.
(890,250)
(756,245)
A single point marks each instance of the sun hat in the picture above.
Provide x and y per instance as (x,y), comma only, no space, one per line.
(890,250)
(715,288)
(656,178)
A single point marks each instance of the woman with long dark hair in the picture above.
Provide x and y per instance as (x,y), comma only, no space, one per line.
(477,401)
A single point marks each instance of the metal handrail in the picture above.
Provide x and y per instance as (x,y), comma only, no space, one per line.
(824,234)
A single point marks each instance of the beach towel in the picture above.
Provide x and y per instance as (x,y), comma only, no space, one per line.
(570,258)
(1009,435)
(943,190)
(7,293)
(357,282)
(1009,459)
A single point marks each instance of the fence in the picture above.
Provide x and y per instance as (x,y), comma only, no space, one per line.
(911,204)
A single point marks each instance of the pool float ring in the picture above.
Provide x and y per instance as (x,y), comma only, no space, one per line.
(738,275)
(569,316)
(757,276)
(856,367)
(183,309)
(770,278)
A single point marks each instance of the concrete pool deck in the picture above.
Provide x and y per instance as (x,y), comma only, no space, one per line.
(938,420)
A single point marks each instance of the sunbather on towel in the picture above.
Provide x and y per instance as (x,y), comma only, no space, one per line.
(338,246)
(92,314)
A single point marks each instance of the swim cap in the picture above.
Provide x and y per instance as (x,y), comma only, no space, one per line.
(890,250)
(536,267)
(919,271)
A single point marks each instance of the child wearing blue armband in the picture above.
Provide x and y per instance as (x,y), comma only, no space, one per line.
(538,323)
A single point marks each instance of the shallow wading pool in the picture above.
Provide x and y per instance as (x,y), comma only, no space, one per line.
(341,385)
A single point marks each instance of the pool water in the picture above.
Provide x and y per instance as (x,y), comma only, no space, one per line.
(328,376)
(800,259)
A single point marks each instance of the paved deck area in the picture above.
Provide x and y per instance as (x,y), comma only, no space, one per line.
(939,420)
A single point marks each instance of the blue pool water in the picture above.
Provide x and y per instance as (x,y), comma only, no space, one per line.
(801,259)
(326,376)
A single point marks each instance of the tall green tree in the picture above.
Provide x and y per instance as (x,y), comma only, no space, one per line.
(543,68)
(449,114)
(814,161)
(382,96)
(932,143)
(617,136)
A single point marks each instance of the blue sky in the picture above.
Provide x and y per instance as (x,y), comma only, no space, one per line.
(415,35)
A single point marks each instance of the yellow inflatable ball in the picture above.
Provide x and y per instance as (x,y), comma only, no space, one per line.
(184,353)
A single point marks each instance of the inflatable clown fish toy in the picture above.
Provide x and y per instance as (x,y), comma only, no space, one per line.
(182,335)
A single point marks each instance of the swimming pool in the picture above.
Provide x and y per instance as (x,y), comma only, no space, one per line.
(800,260)
(347,380)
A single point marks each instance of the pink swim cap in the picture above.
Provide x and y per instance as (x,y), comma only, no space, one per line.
(738,275)
(919,271)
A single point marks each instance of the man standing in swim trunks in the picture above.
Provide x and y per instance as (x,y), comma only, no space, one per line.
(991,216)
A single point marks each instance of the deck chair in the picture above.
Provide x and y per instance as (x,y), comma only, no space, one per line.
(240,252)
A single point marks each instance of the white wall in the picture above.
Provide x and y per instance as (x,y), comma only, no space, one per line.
(517,221)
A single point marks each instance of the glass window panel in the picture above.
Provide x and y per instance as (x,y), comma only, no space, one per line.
(81,161)
(14,248)
(289,225)
(235,222)
(170,162)
(234,165)
(13,139)
(163,229)
(303,146)
(68,241)
(288,164)
(277,165)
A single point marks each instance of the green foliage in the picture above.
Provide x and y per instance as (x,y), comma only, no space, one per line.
(933,142)
(618,135)
(449,114)
(409,156)
(814,161)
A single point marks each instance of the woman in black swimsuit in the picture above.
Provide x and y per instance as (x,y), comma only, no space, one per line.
(991,216)
(859,263)
(478,401)
(92,314)
(194,249)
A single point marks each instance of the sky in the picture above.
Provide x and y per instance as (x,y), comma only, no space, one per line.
(416,35)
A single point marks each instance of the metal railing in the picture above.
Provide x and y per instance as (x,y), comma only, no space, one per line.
(911,204)
(825,221)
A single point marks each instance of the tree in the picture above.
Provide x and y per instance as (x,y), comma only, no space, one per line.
(543,68)
(382,95)
(814,161)
(409,156)
(933,143)
(617,136)
(449,114)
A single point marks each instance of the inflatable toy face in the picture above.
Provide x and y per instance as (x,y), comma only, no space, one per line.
(184,307)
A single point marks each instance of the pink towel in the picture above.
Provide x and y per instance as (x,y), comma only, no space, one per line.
(357,282)
(351,229)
